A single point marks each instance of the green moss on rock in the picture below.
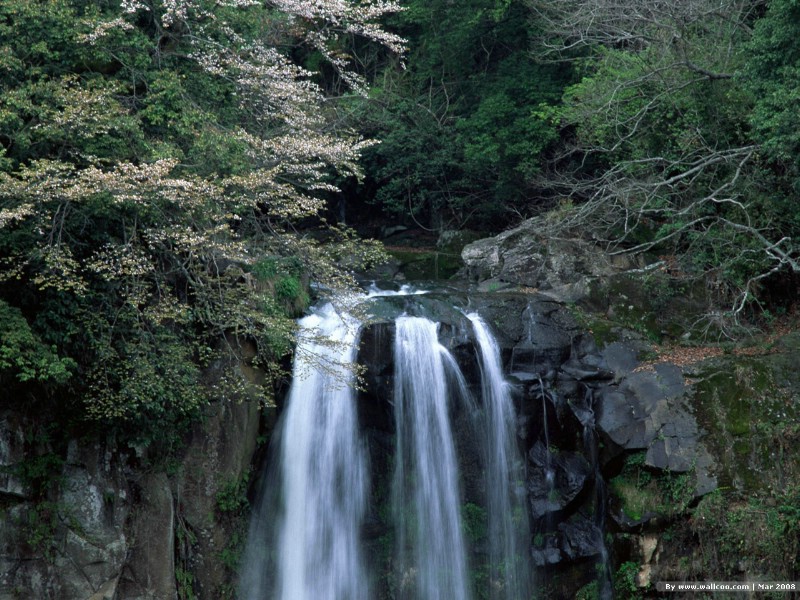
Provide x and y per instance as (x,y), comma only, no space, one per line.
(748,414)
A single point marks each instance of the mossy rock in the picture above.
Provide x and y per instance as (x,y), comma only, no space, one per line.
(749,407)
(642,491)
(650,304)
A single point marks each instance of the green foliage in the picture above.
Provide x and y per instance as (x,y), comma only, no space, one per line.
(185,584)
(232,496)
(407,182)
(40,522)
(231,555)
(762,529)
(625,586)
(285,280)
(641,489)
(771,75)
(233,510)
(151,380)
(475,522)
(461,128)
(290,290)
(664,136)
(679,489)
(591,591)
(39,473)
(149,155)
(25,355)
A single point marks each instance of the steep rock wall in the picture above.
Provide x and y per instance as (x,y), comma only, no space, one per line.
(682,455)
(105,523)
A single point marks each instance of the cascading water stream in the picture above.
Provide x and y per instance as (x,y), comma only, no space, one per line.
(305,540)
(323,475)
(549,472)
(507,511)
(432,562)
(590,444)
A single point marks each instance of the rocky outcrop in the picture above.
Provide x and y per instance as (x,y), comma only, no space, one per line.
(555,479)
(648,411)
(149,571)
(560,268)
(72,543)
(745,406)
(94,521)
(216,460)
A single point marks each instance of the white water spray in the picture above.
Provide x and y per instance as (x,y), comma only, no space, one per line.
(432,560)
(323,473)
(507,510)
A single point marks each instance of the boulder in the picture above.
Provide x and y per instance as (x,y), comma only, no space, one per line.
(648,411)
(555,479)
(574,540)
(561,268)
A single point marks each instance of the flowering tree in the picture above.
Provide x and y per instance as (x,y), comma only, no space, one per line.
(155,159)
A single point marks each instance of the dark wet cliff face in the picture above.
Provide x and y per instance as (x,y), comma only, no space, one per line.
(618,455)
(97,520)
(558,378)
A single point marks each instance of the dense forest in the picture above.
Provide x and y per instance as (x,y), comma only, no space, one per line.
(644,126)
(170,170)
(156,160)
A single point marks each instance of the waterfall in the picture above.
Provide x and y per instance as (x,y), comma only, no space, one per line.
(323,476)
(306,537)
(427,506)
(590,444)
(509,531)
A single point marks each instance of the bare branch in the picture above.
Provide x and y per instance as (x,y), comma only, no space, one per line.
(652,162)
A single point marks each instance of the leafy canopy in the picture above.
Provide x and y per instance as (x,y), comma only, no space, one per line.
(665,135)
(461,127)
(152,152)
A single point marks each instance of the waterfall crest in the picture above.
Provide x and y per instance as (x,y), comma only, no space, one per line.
(427,505)
(505,475)
(323,474)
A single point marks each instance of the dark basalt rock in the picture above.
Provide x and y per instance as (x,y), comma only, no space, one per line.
(580,538)
(581,371)
(375,396)
(649,521)
(576,539)
(549,554)
(555,479)
(647,411)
